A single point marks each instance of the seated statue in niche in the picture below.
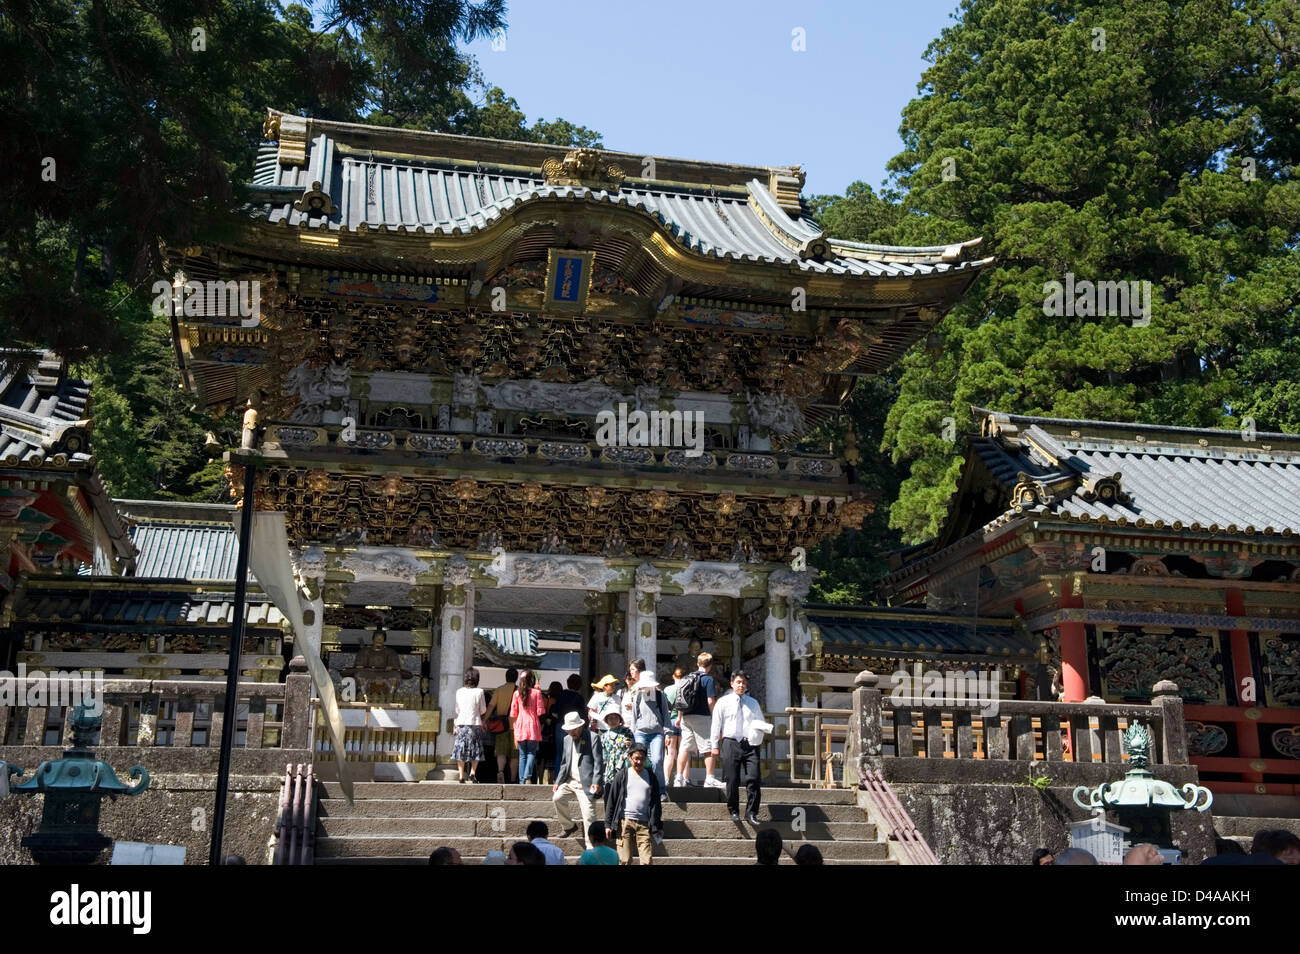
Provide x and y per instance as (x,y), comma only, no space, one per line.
(377,667)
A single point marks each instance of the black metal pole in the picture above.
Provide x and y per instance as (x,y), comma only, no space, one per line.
(232,666)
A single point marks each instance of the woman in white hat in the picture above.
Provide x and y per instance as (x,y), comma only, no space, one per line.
(650,718)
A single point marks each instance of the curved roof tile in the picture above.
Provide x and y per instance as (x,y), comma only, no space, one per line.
(443,198)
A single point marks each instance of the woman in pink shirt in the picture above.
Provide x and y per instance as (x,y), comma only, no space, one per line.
(526,710)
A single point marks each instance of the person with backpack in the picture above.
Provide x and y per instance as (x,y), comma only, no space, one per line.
(650,719)
(695,698)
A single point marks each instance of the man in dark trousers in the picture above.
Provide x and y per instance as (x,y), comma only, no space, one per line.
(578,774)
(734,718)
(632,808)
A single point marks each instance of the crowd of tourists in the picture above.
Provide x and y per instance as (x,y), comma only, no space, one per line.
(1270,846)
(626,745)
(538,850)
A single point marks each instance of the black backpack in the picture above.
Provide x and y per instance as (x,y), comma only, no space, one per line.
(687,693)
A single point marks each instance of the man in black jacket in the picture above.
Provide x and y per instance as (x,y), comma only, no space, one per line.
(578,774)
(568,700)
(633,809)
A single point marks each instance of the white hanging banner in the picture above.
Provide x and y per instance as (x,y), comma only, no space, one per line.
(269,561)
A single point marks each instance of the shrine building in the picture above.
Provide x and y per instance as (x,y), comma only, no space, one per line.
(1128,554)
(444,323)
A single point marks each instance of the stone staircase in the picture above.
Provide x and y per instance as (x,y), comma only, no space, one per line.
(402,822)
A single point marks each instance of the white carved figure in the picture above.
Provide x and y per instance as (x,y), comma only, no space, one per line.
(309,563)
(790,584)
(316,388)
(711,579)
(801,637)
(647,398)
(648,579)
(568,572)
(776,412)
(458,571)
(384,564)
(464,389)
(585,397)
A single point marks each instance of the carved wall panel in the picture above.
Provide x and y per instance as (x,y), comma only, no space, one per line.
(382,511)
(1206,738)
(1132,661)
(311,334)
(1281,670)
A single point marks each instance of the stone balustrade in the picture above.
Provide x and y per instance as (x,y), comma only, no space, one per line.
(162,713)
(955,737)
(1081,733)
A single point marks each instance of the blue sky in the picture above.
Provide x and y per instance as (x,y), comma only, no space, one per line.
(719,80)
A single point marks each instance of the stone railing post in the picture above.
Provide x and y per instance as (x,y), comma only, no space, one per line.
(296,718)
(866,717)
(1164,695)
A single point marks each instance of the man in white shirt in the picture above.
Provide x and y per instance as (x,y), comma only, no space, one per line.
(734,718)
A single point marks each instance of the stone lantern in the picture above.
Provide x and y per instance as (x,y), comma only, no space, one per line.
(74,788)
(1141,801)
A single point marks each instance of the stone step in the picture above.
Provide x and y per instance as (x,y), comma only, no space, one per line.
(1242,827)
(471,860)
(784,861)
(528,808)
(744,848)
(444,790)
(515,828)
(453,790)
(368,846)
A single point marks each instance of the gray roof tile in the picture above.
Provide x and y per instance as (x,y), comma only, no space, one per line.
(1169,478)
(444,198)
(902,631)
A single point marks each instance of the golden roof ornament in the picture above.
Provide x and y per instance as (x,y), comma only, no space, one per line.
(583,167)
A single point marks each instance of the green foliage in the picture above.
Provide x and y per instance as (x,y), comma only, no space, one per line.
(849,561)
(500,118)
(1122,163)
(148,440)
